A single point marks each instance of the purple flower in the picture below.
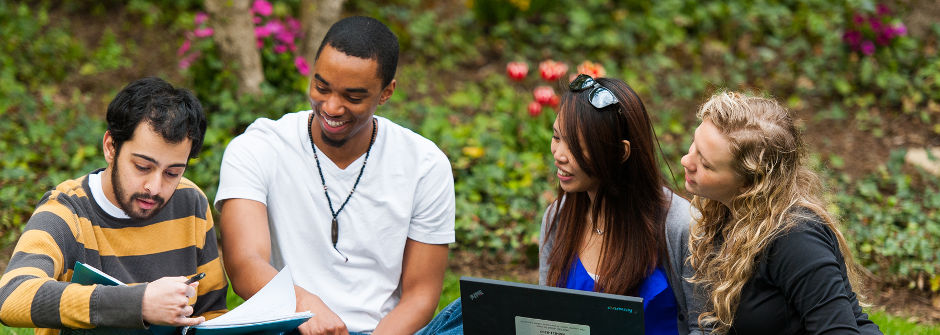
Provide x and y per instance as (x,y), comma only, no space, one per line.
(900,29)
(301,65)
(259,43)
(262,7)
(203,32)
(858,19)
(883,38)
(184,48)
(875,23)
(200,18)
(852,38)
(280,48)
(868,48)
(256,19)
(882,10)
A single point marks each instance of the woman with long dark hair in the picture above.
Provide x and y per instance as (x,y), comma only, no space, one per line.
(765,250)
(615,226)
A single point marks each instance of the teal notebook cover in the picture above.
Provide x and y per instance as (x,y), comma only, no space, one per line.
(87,275)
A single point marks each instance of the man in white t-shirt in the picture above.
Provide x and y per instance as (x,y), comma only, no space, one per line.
(360,208)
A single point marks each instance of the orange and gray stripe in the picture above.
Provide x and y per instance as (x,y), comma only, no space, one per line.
(67,226)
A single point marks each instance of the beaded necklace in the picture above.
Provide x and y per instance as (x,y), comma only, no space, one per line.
(334,229)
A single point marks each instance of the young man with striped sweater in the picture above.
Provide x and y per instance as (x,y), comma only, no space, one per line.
(138,220)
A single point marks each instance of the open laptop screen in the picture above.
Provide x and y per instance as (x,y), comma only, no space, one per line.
(492,307)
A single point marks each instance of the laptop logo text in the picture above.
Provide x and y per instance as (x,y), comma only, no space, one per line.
(620,309)
(475,295)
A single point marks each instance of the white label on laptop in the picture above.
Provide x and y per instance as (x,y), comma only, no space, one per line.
(530,326)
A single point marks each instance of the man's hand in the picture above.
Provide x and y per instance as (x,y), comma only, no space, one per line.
(166,302)
(324,321)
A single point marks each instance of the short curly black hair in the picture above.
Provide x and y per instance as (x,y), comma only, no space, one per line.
(174,113)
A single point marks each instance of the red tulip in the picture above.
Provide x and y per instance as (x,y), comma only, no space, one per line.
(552,70)
(517,70)
(535,109)
(554,101)
(543,94)
(595,70)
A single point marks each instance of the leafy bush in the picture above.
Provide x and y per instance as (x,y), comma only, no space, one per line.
(892,218)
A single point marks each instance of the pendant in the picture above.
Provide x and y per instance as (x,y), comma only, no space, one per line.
(334,232)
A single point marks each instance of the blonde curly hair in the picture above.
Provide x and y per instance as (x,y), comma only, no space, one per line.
(727,241)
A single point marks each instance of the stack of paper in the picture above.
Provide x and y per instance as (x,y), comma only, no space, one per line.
(270,310)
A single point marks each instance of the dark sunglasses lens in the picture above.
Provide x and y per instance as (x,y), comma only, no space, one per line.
(602,97)
(582,82)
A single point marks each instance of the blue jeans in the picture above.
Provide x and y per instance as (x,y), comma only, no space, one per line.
(448,322)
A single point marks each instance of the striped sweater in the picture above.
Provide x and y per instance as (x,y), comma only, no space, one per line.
(69,226)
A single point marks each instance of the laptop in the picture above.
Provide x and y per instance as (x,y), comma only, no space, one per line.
(492,307)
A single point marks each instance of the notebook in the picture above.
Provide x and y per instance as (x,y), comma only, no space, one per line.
(501,307)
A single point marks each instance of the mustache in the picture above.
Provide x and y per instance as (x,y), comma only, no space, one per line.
(143,196)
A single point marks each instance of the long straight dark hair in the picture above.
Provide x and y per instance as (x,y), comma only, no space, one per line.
(629,197)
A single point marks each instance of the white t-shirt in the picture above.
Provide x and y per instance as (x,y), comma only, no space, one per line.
(406,192)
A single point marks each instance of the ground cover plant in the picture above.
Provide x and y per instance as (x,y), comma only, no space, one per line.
(862,75)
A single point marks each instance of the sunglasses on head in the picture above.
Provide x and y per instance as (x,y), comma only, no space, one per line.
(599,96)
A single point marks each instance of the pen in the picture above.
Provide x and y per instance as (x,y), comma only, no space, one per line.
(195,278)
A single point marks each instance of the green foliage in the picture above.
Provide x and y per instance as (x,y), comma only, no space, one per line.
(452,90)
(45,137)
(892,218)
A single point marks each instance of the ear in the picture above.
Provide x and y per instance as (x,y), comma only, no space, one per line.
(107,146)
(626,150)
(387,92)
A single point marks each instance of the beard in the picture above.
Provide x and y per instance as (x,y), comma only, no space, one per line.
(331,142)
(127,203)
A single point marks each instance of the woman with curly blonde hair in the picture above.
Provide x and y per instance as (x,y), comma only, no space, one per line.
(769,257)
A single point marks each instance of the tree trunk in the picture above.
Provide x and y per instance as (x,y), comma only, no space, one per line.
(317,16)
(234,34)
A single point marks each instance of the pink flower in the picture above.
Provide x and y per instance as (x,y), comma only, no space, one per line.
(274,26)
(868,48)
(301,65)
(280,48)
(900,29)
(882,10)
(858,19)
(184,48)
(262,7)
(535,109)
(285,37)
(200,18)
(203,32)
(256,19)
(552,70)
(262,31)
(188,60)
(852,38)
(595,70)
(543,94)
(517,70)
(293,24)
(259,43)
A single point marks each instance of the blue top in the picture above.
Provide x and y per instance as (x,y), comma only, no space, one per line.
(659,303)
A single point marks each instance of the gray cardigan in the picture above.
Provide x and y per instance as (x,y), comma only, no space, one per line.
(678,220)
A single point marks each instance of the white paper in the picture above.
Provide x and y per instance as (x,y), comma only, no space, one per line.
(274,301)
